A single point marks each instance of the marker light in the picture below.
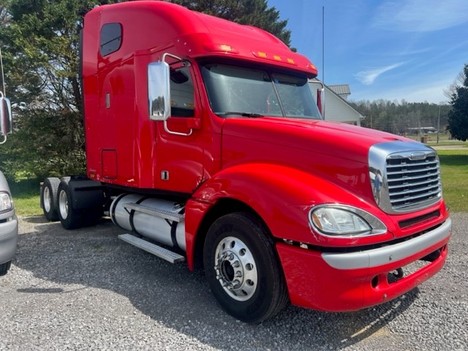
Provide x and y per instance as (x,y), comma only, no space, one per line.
(226,48)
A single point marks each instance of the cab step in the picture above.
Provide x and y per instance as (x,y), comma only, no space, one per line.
(159,251)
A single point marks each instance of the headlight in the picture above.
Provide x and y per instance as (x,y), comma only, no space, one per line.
(5,202)
(340,220)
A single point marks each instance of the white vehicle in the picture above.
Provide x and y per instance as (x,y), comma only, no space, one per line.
(8,220)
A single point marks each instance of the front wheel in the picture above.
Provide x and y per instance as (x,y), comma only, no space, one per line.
(242,268)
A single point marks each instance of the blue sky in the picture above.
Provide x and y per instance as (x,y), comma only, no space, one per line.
(393,50)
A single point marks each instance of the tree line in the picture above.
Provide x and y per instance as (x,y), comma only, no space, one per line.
(402,117)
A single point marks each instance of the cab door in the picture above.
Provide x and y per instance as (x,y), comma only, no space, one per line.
(179,151)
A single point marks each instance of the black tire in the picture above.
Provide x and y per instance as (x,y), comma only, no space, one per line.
(49,199)
(239,253)
(4,267)
(69,217)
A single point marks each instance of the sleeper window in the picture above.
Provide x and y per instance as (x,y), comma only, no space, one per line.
(111,38)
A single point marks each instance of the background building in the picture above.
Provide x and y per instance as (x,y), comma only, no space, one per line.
(334,104)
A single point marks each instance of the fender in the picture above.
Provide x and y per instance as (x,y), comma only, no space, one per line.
(85,193)
(282,196)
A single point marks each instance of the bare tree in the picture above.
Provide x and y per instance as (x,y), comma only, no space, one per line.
(458,82)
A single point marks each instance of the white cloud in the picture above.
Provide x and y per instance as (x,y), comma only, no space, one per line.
(421,15)
(368,77)
(430,91)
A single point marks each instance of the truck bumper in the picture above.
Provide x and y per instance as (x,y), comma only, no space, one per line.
(8,239)
(354,280)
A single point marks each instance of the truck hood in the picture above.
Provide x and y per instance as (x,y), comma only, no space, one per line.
(334,151)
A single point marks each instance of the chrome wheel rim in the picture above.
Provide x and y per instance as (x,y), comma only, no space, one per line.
(236,269)
(47,199)
(63,204)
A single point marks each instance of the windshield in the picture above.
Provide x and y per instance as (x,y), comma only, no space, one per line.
(250,92)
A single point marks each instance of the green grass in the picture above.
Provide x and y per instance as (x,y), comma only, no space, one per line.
(454,168)
(26,197)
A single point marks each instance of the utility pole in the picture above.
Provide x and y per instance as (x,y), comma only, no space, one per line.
(323,62)
(3,74)
(438,124)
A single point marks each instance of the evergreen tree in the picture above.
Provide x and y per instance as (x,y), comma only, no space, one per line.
(39,41)
(458,116)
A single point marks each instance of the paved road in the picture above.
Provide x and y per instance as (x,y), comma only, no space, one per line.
(87,290)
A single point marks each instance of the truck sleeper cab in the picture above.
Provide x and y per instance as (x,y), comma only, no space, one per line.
(205,144)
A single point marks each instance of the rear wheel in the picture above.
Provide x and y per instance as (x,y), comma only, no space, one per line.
(48,198)
(242,268)
(69,217)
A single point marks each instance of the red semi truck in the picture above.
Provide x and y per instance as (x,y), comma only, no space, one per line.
(204,142)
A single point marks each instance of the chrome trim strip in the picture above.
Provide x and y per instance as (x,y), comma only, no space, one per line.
(430,163)
(378,257)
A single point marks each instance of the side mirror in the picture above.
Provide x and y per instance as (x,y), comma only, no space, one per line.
(5,116)
(159,91)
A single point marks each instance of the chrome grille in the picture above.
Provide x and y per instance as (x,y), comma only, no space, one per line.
(412,183)
(404,176)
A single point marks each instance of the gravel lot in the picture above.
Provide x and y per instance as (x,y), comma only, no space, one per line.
(85,289)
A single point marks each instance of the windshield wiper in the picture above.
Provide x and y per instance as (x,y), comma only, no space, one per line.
(243,114)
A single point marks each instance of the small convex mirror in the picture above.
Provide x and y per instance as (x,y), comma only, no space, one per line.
(5,116)
(159,91)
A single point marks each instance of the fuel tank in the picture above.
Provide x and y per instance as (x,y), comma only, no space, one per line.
(156,219)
